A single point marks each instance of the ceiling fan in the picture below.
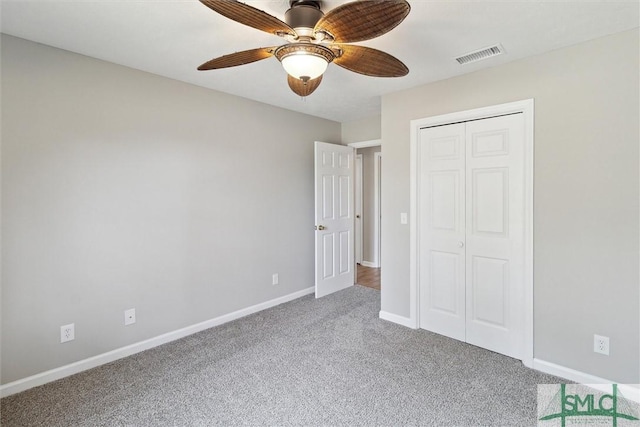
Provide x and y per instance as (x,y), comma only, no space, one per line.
(315,39)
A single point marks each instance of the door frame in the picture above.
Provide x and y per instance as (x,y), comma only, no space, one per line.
(526,107)
(377,232)
(377,208)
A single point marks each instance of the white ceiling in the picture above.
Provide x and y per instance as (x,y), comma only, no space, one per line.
(172,37)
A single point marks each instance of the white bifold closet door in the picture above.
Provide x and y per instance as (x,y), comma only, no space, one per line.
(471,225)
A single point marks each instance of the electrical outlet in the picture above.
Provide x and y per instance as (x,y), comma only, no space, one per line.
(275,279)
(129,316)
(601,344)
(67,332)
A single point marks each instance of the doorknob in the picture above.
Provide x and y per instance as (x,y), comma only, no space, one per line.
(357,216)
(320,227)
(460,244)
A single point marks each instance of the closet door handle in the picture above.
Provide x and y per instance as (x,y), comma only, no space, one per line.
(461,244)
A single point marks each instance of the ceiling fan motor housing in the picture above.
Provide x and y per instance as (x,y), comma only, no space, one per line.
(303,15)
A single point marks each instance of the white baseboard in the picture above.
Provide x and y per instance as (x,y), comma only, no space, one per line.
(101,359)
(400,320)
(369,264)
(630,391)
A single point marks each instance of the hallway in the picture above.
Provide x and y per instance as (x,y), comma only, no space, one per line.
(369,277)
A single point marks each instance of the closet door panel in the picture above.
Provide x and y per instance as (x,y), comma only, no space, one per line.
(495,233)
(441,231)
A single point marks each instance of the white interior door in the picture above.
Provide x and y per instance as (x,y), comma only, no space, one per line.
(442,230)
(334,197)
(471,199)
(495,234)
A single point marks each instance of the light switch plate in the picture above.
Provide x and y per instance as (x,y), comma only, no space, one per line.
(130,316)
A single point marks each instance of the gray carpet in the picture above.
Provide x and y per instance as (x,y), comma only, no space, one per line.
(330,361)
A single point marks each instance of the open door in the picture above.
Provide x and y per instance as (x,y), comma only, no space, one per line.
(334,195)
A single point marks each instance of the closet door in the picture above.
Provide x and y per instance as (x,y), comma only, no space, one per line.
(442,230)
(495,233)
(471,225)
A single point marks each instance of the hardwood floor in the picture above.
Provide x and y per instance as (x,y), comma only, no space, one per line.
(369,277)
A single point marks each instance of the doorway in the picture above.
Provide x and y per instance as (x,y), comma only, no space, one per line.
(471,250)
(368,200)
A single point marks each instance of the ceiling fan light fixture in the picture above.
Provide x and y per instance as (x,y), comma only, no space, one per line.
(305,61)
(304,66)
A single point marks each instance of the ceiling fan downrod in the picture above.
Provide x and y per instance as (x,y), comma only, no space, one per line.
(303,16)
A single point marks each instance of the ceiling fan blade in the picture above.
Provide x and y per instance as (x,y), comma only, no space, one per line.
(370,62)
(238,58)
(249,15)
(302,88)
(363,19)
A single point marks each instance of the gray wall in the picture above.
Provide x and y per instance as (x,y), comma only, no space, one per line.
(585,199)
(123,189)
(361,130)
(368,202)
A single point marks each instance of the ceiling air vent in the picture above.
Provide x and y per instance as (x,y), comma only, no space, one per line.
(481,54)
